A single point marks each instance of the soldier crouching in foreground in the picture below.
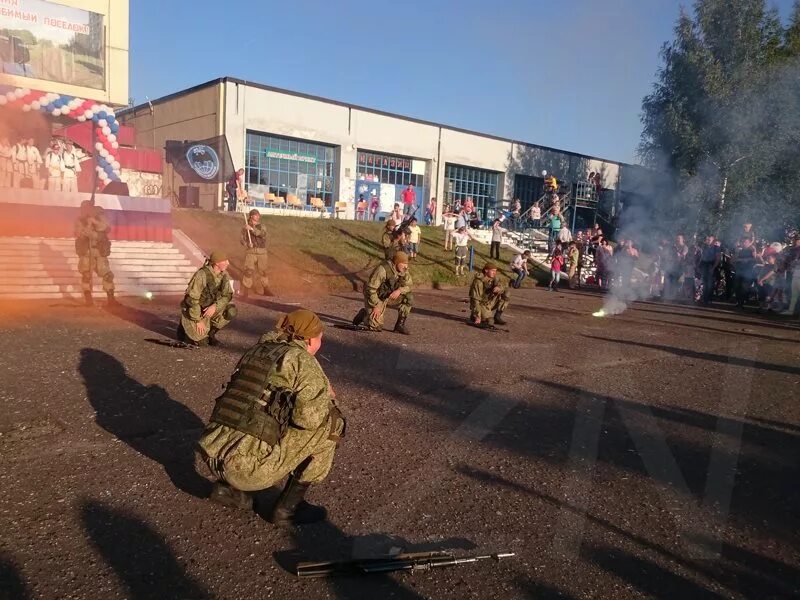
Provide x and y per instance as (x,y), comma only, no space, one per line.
(276,417)
(487,298)
(390,282)
(93,249)
(206,307)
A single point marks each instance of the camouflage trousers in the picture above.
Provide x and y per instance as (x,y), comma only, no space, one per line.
(99,264)
(487,308)
(218,321)
(255,271)
(249,464)
(403,303)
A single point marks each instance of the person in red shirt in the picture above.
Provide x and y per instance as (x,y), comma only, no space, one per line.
(556,266)
(235,188)
(409,197)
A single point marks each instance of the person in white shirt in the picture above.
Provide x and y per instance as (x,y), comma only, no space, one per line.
(461,239)
(71,167)
(497,239)
(27,163)
(414,235)
(54,166)
(6,166)
(520,268)
(396,214)
(536,215)
(449,223)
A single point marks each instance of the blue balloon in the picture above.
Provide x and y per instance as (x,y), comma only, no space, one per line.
(102,114)
(114,128)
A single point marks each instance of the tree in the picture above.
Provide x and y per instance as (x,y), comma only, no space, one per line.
(722,116)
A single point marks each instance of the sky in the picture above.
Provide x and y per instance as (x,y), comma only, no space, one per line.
(568,74)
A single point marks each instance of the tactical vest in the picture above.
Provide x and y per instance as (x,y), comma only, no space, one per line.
(256,241)
(211,291)
(250,403)
(391,283)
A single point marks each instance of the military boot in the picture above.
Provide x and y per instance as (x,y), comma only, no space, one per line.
(212,337)
(291,509)
(400,326)
(498,318)
(87,298)
(360,316)
(487,324)
(112,302)
(180,333)
(224,494)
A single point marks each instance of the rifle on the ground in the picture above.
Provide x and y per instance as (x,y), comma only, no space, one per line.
(420,561)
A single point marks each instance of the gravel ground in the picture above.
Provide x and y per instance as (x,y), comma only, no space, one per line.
(651,454)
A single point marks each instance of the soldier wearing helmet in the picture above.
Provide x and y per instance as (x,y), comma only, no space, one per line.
(93,249)
(276,417)
(254,239)
(488,298)
(206,306)
(390,283)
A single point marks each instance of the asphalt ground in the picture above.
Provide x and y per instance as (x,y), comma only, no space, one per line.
(650,454)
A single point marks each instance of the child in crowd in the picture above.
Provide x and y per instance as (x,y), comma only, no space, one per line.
(373,208)
(556,265)
(414,235)
(461,239)
(449,224)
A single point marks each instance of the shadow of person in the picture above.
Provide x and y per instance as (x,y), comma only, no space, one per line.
(11,583)
(145,418)
(146,320)
(138,554)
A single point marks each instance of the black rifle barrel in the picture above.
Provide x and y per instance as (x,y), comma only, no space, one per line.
(401,562)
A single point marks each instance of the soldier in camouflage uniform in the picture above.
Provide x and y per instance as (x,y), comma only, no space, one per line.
(390,282)
(488,298)
(276,417)
(206,307)
(93,248)
(387,239)
(254,238)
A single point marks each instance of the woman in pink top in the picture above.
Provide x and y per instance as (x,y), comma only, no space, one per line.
(556,265)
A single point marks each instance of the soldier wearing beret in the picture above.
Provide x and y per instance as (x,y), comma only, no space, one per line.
(206,306)
(488,298)
(390,283)
(276,417)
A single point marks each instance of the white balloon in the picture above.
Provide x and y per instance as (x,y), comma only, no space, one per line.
(56,112)
(544,173)
(19,93)
(44,100)
(11,96)
(102,123)
(111,137)
(104,153)
(87,114)
(98,146)
(81,118)
(35,105)
(26,108)
(25,91)
(116,165)
(53,96)
(115,145)
(106,131)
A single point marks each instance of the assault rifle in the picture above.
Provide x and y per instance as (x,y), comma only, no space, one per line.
(420,561)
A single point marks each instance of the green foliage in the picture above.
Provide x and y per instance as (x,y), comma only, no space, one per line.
(723,114)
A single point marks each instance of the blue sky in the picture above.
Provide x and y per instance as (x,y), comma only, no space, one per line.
(569,74)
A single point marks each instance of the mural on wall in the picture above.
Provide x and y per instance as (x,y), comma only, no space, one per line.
(106,126)
(145,185)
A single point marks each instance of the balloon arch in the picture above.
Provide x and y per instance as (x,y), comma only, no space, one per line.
(106,126)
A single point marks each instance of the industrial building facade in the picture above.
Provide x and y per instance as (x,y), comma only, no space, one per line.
(295,144)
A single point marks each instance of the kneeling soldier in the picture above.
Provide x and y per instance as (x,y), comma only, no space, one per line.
(206,307)
(390,282)
(276,417)
(487,298)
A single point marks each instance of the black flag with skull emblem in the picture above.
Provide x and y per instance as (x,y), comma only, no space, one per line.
(202,161)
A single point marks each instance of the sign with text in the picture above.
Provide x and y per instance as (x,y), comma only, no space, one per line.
(307,158)
(44,40)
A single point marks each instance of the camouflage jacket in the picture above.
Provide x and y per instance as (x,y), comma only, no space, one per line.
(257,237)
(91,230)
(481,289)
(206,288)
(384,280)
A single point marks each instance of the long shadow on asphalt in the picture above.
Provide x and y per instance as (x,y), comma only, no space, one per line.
(145,417)
(138,554)
(11,582)
(755,322)
(750,574)
(720,358)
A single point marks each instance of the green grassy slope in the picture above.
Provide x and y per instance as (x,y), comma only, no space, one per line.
(319,255)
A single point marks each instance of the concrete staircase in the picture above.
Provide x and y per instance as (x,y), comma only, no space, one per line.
(47,268)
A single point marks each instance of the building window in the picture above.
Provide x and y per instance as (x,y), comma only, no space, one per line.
(285,166)
(385,168)
(467,182)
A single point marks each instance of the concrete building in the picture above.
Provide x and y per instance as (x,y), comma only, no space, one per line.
(309,147)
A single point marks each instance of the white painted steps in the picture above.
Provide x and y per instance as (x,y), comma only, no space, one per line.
(47,268)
